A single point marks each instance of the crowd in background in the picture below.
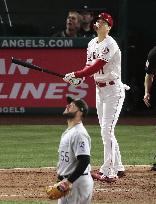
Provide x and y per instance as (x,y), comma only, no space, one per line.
(78,24)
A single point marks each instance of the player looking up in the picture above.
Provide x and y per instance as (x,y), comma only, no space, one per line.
(73,22)
(104,63)
(74,155)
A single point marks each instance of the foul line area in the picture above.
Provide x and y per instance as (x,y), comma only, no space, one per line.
(27,169)
(44,169)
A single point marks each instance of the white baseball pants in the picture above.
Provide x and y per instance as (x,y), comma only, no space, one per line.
(109,101)
(81,192)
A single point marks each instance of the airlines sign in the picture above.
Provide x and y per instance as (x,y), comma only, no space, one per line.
(22,87)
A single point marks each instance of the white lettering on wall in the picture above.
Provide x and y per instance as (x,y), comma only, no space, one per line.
(13,67)
(1,89)
(15,90)
(53,90)
(31,89)
(42,90)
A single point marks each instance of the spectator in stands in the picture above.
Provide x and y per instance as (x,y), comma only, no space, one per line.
(86,29)
(73,22)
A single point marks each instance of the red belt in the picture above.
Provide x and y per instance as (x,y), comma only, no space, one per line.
(103,84)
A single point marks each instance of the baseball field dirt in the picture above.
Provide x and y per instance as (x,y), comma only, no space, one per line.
(138,186)
(56,119)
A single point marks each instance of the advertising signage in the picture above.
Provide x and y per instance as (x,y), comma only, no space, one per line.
(22,88)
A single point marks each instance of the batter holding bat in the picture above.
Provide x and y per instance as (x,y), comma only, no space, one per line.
(104,63)
(73,81)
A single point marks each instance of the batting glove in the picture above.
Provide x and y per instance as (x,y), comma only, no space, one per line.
(70,78)
(70,75)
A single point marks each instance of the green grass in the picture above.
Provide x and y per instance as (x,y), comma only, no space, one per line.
(137,144)
(37,145)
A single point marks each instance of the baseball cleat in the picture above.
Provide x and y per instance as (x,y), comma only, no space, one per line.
(121,174)
(107,179)
(100,177)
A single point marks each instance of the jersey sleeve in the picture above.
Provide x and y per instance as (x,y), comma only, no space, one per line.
(150,67)
(89,55)
(81,145)
(107,52)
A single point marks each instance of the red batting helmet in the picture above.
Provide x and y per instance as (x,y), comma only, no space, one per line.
(106,17)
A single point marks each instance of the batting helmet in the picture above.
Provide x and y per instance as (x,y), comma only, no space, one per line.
(106,17)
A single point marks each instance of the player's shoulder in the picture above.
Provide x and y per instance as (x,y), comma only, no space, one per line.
(92,41)
(80,130)
(153,49)
(152,52)
(112,43)
(111,40)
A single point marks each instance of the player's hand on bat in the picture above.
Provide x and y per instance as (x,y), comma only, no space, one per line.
(70,78)
(73,81)
(146,99)
(70,75)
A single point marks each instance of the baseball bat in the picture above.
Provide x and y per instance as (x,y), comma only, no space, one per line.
(35,67)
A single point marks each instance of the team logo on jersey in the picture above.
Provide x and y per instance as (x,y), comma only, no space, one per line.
(95,55)
(105,50)
(82,145)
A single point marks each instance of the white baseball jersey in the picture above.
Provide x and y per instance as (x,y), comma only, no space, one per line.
(109,99)
(74,141)
(107,50)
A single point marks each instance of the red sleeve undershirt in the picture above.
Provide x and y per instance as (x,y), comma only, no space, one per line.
(88,70)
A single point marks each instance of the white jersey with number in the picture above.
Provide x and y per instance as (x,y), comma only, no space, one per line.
(107,50)
(74,141)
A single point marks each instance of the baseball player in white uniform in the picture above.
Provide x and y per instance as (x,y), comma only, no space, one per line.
(74,155)
(104,63)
